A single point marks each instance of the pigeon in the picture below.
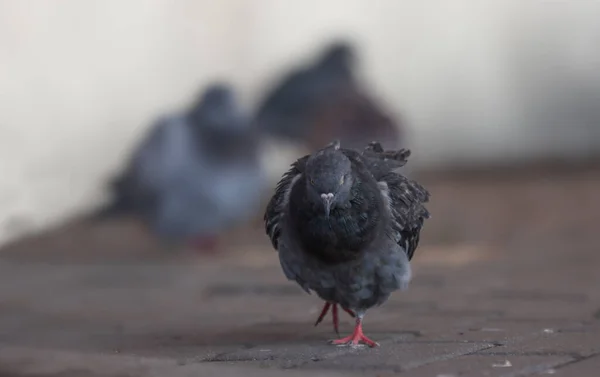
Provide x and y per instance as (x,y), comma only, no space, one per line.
(326,101)
(287,110)
(195,174)
(346,227)
(345,118)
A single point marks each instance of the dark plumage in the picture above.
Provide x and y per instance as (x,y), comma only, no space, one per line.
(196,173)
(352,118)
(290,106)
(346,226)
(325,101)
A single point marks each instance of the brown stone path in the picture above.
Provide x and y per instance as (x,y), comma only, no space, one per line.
(506,284)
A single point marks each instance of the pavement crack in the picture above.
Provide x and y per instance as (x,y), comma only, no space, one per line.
(577,360)
(531,353)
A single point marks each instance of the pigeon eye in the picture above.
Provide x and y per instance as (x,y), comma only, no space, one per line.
(312,181)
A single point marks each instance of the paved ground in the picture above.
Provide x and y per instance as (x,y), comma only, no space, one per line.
(506,284)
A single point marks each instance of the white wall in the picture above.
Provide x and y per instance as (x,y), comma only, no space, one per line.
(477,80)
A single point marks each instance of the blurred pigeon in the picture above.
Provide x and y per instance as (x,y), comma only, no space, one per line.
(346,227)
(290,107)
(195,174)
(325,101)
(352,118)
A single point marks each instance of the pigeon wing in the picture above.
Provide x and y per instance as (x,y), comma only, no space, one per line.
(276,207)
(404,198)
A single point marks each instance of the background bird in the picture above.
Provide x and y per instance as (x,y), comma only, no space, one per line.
(195,174)
(352,118)
(326,101)
(291,104)
(346,227)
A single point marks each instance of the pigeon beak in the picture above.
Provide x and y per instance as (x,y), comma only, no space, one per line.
(327,200)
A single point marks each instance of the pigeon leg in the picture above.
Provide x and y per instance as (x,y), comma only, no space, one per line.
(349,312)
(323,313)
(334,314)
(334,310)
(357,336)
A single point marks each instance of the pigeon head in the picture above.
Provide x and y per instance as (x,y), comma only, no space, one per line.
(338,55)
(328,177)
(217,108)
(218,95)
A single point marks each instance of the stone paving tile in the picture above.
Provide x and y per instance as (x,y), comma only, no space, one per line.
(399,356)
(504,331)
(580,344)
(478,365)
(306,352)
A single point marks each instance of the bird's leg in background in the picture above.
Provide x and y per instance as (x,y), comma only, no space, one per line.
(334,312)
(323,313)
(357,336)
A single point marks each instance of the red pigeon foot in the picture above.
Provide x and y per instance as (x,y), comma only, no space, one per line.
(356,338)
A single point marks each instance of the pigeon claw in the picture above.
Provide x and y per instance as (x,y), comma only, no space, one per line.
(355,341)
(357,338)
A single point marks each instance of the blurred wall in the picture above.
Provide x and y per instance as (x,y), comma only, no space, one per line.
(477,81)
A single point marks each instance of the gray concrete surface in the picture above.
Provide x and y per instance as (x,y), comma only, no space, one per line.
(506,284)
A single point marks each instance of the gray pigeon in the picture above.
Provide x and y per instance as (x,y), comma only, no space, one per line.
(286,112)
(196,173)
(346,227)
(326,101)
(352,118)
